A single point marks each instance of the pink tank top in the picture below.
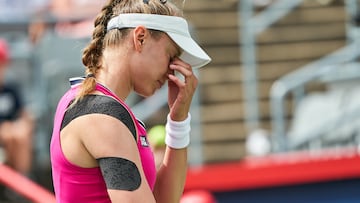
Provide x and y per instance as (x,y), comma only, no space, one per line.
(76,184)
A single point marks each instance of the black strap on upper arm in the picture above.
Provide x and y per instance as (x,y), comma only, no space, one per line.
(103,105)
(120,173)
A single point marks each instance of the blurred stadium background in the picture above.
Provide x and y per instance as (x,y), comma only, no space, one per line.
(277,113)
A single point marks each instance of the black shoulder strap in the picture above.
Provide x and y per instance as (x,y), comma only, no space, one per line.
(103,105)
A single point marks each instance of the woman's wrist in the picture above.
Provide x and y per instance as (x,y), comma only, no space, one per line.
(178,133)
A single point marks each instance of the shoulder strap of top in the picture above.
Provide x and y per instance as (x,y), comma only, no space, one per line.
(103,105)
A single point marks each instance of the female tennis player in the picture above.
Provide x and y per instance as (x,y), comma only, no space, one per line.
(99,150)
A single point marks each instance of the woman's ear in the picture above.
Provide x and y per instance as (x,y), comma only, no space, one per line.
(140,34)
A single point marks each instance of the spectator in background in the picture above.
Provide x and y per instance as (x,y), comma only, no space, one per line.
(70,18)
(76,17)
(16,124)
(19,10)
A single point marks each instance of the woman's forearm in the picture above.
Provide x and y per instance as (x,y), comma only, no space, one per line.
(171,176)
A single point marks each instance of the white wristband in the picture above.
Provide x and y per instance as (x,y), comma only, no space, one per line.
(178,133)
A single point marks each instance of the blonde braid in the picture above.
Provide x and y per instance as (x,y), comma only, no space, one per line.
(92,54)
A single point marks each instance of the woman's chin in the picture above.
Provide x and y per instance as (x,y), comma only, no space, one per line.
(148,93)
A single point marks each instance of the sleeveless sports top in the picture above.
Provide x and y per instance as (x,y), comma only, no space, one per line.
(77,184)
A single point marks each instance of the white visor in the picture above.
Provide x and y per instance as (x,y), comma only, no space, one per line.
(175,27)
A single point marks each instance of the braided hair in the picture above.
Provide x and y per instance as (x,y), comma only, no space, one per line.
(101,38)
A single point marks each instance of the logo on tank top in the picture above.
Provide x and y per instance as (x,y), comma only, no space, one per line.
(144,141)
